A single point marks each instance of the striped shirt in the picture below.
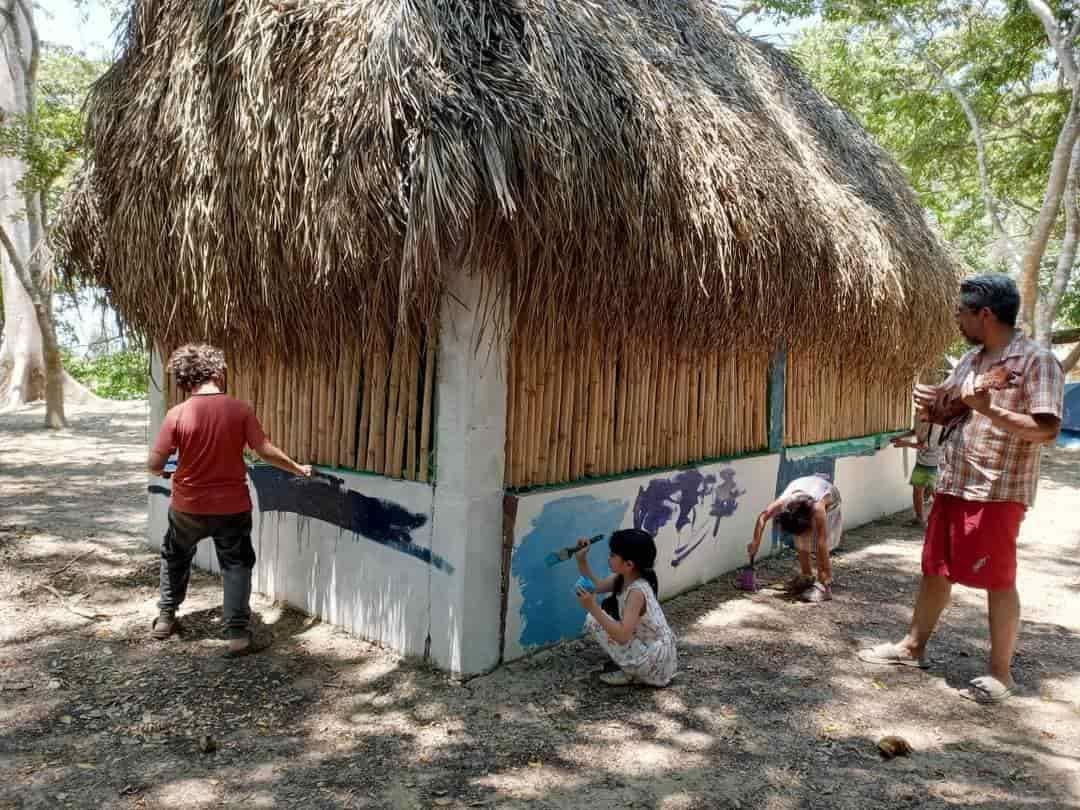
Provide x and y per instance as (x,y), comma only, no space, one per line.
(983,462)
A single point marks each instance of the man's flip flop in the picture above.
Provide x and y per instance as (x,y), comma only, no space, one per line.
(988,689)
(892,655)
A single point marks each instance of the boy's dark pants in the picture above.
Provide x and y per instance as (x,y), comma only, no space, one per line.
(232,540)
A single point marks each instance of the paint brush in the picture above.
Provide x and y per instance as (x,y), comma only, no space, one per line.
(564,554)
(746,580)
(320,477)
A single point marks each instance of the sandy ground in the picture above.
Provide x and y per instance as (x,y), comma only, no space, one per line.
(770,710)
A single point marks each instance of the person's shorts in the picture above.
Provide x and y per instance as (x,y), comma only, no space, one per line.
(973,543)
(924,476)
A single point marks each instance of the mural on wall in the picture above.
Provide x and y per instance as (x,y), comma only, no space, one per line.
(549,610)
(327,498)
(679,497)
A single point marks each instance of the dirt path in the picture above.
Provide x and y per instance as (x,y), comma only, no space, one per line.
(770,710)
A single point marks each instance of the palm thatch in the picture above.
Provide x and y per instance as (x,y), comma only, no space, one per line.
(271,175)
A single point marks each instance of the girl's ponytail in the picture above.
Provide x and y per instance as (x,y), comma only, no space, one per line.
(649,575)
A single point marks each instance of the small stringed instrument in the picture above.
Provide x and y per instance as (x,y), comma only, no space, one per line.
(949,409)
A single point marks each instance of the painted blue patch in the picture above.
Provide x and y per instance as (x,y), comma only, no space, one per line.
(1070,419)
(549,611)
(789,470)
(1069,439)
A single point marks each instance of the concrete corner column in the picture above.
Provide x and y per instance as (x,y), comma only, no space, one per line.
(468,511)
(158,406)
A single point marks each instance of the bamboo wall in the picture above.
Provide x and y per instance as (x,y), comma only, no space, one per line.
(827,401)
(370,413)
(591,411)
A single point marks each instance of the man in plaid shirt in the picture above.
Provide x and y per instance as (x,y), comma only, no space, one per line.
(989,472)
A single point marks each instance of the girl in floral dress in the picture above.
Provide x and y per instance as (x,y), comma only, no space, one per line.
(638,640)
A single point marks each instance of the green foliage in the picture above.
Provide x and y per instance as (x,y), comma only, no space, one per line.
(120,375)
(50,140)
(875,61)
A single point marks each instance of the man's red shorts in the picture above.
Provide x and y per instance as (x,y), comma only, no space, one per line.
(973,543)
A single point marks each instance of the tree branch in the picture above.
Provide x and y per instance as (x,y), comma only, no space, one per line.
(1063,272)
(1061,44)
(1044,224)
(989,202)
(1071,359)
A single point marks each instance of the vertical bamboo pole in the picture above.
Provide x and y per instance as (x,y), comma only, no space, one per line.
(391,462)
(350,380)
(398,467)
(581,413)
(592,466)
(363,362)
(376,450)
(554,397)
(571,362)
(425,416)
(610,358)
(411,450)
(619,416)
(526,407)
(546,356)
(534,359)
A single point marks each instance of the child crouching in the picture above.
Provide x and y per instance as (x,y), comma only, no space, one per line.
(639,641)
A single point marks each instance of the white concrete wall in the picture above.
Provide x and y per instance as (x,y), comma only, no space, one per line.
(722,503)
(367,586)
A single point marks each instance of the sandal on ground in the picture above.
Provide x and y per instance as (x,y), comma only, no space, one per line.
(816,594)
(796,584)
(617,678)
(892,654)
(249,649)
(164,626)
(988,689)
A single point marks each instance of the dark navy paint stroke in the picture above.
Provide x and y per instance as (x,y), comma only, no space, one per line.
(157,489)
(327,498)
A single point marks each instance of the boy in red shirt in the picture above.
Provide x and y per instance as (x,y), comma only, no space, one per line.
(209,489)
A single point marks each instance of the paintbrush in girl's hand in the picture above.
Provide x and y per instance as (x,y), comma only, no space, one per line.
(564,554)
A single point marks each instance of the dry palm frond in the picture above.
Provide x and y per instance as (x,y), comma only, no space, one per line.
(272,176)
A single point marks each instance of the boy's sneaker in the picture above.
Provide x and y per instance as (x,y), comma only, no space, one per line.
(816,593)
(617,678)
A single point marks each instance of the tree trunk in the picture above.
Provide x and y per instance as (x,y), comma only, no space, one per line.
(30,364)
(1055,190)
(1047,310)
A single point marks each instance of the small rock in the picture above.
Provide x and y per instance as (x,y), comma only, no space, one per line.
(207,744)
(54,684)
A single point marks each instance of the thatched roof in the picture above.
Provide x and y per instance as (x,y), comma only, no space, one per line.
(270,174)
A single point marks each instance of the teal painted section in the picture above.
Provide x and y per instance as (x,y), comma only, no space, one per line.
(777,391)
(860,446)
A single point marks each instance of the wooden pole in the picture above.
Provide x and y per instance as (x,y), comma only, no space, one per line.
(592,465)
(581,412)
(571,361)
(425,424)
(377,440)
(411,450)
(554,394)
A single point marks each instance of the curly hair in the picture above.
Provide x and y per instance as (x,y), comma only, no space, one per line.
(797,516)
(194,364)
